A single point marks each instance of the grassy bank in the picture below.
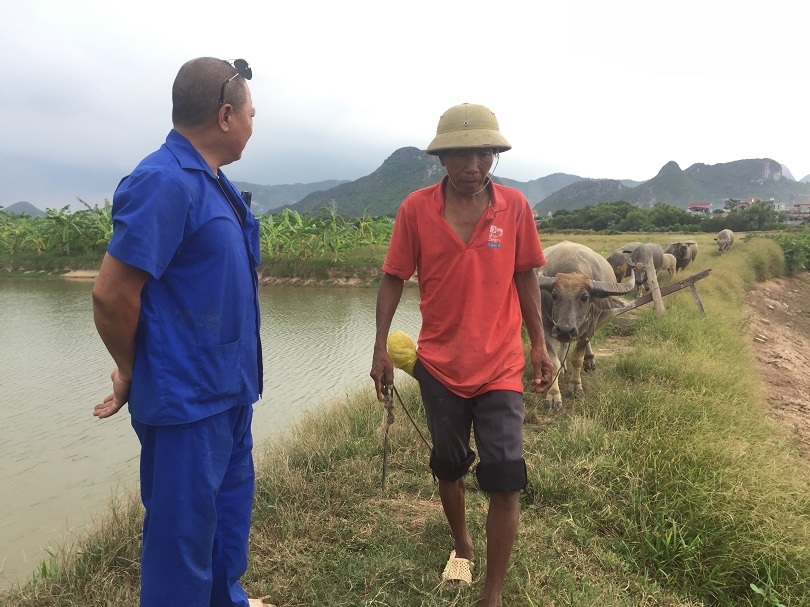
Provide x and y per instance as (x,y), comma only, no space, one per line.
(358,266)
(666,484)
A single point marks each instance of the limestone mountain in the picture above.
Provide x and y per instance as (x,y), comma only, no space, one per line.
(270,197)
(574,195)
(760,178)
(381,192)
(410,168)
(538,189)
(406,170)
(23,207)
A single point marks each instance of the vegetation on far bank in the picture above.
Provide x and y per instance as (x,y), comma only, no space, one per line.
(621,216)
(333,248)
(328,247)
(665,484)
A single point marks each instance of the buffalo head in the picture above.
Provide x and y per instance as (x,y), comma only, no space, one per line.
(577,301)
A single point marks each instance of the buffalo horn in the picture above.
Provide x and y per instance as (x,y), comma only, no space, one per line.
(546,282)
(613,288)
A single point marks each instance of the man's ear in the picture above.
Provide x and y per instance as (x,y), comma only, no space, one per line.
(224,116)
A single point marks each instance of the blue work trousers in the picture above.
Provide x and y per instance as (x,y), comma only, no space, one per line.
(197,483)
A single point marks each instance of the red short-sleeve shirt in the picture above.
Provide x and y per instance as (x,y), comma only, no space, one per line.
(470,338)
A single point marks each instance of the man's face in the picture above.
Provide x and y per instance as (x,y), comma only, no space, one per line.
(241,124)
(468,168)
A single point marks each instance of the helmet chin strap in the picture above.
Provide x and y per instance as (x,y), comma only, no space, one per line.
(487,179)
(486,183)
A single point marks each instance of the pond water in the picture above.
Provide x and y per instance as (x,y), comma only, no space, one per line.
(61,465)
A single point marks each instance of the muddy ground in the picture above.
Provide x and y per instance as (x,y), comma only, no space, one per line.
(779,330)
(779,314)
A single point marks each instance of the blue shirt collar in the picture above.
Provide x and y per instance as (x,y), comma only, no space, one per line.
(187,155)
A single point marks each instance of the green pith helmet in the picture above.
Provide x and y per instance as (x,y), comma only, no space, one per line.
(467,126)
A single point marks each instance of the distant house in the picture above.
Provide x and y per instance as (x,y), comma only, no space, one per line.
(799,213)
(699,208)
(744,204)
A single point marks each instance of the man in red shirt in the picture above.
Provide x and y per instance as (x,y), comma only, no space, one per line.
(474,246)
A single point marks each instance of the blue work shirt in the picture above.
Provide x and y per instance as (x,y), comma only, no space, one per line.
(198,350)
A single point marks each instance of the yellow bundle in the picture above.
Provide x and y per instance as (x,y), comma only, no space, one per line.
(402,351)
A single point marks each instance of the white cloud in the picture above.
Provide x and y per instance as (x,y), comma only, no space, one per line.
(590,88)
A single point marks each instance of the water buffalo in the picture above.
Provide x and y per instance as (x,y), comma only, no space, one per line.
(693,248)
(682,251)
(724,240)
(670,264)
(578,297)
(638,262)
(619,260)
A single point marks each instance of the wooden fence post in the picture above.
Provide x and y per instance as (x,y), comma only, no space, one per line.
(652,280)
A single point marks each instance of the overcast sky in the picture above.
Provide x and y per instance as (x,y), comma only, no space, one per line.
(587,87)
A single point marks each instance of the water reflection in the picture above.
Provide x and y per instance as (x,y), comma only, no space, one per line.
(318,346)
(61,465)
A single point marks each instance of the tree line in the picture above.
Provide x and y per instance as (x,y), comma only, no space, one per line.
(621,216)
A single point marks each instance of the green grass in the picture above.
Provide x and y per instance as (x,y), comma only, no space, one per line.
(666,485)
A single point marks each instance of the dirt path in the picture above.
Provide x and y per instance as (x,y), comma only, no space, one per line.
(779,328)
(779,313)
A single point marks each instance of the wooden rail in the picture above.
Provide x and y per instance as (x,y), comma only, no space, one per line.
(671,288)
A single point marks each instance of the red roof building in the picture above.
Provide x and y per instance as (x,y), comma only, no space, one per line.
(700,208)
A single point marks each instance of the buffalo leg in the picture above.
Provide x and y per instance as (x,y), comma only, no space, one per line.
(590,362)
(577,359)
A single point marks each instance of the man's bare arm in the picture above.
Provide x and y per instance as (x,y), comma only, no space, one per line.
(528,290)
(382,369)
(116,309)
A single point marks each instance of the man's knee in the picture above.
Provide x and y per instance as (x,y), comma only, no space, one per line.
(502,476)
(450,472)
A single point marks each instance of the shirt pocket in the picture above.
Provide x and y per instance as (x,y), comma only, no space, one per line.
(219,371)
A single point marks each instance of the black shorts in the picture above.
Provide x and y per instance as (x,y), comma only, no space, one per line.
(496,417)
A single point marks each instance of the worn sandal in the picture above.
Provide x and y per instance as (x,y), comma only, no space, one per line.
(457,570)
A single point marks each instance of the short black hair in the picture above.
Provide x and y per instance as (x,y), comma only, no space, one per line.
(196,89)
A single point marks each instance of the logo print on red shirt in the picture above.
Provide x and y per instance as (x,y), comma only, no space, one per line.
(495,235)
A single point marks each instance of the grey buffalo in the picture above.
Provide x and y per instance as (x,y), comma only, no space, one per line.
(619,260)
(684,253)
(638,263)
(693,248)
(724,240)
(578,297)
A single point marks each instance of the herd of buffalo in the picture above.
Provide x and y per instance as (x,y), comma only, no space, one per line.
(580,289)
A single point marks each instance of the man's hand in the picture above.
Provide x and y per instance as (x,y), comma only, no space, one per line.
(119,397)
(382,372)
(543,369)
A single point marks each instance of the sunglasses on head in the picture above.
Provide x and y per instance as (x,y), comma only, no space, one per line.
(242,69)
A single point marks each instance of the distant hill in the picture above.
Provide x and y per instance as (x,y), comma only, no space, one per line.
(381,192)
(406,170)
(760,178)
(270,197)
(23,207)
(538,189)
(409,169)
(576,195)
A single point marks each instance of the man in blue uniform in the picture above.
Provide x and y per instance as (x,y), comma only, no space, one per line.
(176,304)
